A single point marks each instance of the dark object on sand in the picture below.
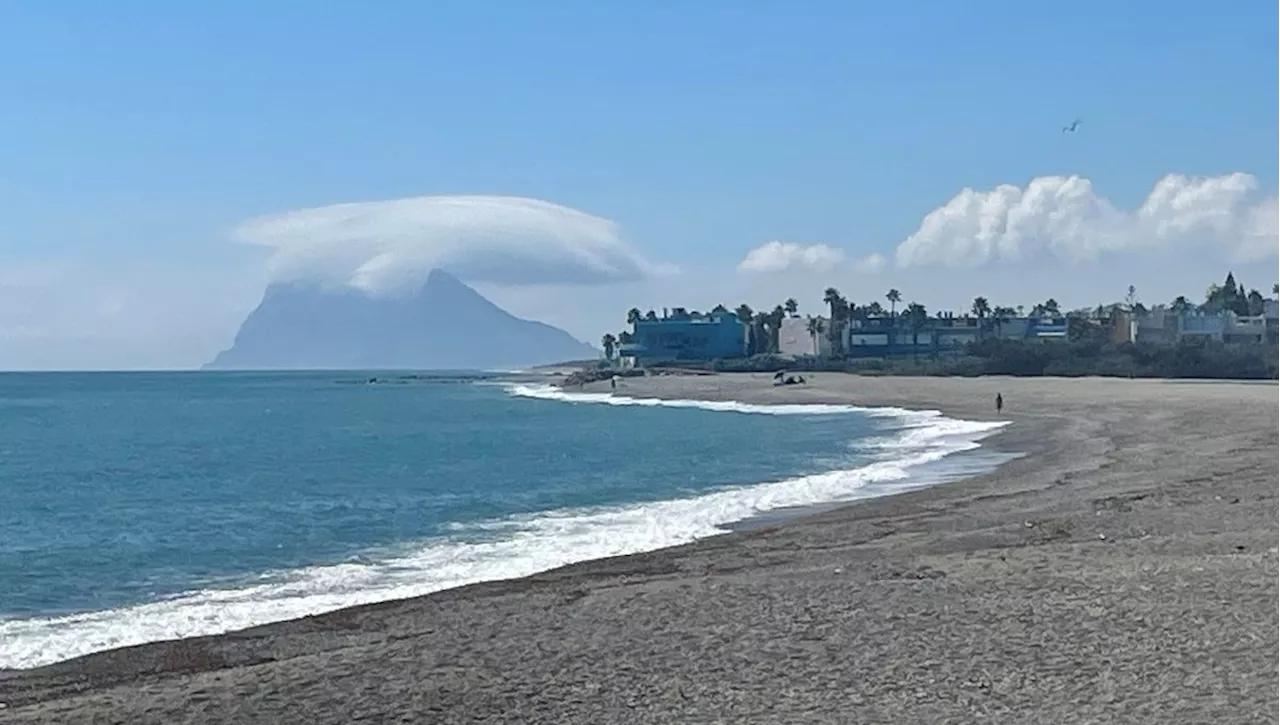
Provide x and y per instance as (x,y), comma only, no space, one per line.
(999,402)
(781,378)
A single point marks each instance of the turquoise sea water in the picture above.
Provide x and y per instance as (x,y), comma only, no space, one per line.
(138,507)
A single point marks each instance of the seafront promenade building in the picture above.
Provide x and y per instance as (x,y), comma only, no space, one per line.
(687,336)
(886,336)
(1164,326)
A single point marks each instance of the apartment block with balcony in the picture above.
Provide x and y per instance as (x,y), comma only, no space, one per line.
(948,334)
(1162,326)
(681,336)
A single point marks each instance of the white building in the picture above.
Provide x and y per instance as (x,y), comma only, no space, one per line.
(796,340)
(1163,326)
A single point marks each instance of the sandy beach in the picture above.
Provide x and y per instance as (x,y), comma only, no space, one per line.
(1124,571)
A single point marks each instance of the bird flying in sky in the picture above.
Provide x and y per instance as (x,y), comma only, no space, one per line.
(1071,127)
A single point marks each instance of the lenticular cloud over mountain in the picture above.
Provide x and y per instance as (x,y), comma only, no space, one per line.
(388,247)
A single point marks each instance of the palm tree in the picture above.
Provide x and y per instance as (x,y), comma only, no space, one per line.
(981,308)
(625,338)
(1000,315)
(747,316)
(633,315)
(1051,307)
(609,343)
(831,297)
(1256,302)
(894,297)
(815,329)
(838,306)
(1181,305)
(759,334)
(651,316)
(775,328)
(873,310)
(1275,288)
(917,316)
(791,306)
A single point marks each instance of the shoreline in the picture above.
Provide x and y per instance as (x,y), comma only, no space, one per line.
(1022,592)
(894,449)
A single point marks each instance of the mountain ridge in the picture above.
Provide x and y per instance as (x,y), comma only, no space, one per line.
(443,325)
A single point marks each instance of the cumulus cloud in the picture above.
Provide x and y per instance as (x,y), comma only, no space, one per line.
(778,257)
(386,247)
(772,257)
(869,264)
(1063,217)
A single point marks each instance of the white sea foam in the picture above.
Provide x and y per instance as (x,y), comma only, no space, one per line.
(525,545)
(550,392)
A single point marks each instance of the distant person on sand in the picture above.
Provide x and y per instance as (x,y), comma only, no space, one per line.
(613,382)
(999,402)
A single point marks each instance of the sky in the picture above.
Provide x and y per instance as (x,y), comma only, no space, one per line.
(162,163)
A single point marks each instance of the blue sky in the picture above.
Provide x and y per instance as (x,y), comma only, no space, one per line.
(135,135)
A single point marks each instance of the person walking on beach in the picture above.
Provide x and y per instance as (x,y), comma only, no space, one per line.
(999,402)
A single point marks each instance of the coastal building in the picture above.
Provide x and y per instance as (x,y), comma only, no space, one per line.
(884,336)
(685,336)
(804,336)
(953,334)
(1198,326)
(1046,327)
(875,337)
(1163,326)
(1246,329)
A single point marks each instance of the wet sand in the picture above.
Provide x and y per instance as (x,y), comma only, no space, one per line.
(1124,571)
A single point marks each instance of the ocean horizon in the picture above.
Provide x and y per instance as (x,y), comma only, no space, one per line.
(150,506)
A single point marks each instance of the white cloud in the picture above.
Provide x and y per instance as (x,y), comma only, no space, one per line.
(773,257)
(869,264)
(389,246)
(1063,217)
(779,257)
(1261,232)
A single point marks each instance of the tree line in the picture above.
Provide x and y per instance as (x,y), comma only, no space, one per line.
(1088,348)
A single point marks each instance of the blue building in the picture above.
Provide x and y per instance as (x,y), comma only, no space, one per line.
(1050,328)
(885,336)
(680,336)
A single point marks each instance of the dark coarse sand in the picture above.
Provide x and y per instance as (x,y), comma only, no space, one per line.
(1125,572)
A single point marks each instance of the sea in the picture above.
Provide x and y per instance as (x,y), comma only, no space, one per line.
(138,507)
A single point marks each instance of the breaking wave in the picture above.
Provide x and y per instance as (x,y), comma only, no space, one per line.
(519,546)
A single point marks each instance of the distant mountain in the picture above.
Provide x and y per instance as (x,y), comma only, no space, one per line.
(445,325)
